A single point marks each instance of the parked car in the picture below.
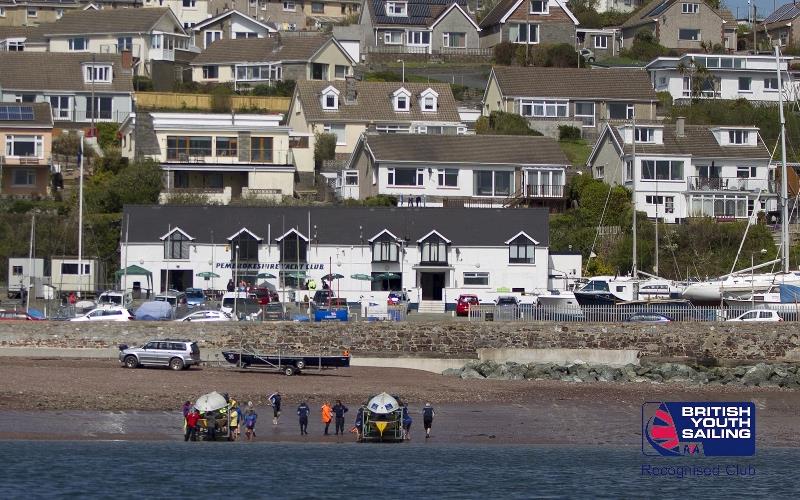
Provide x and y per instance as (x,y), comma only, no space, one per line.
(115,298)
(320,298)
(464,302)
(648,318)
(6,315)
(106,313)
(507,308)
(274,311)
(195,297)
(177,354)
(758,315)
(173,297)
(587,54)
(398,299)
(206,316)
(265,295)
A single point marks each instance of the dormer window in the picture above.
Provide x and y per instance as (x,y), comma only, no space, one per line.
(433,248)
(396,9)
(738,137)
(176,244)
(645,135)
(402,99)
(97,73)
(428,101)
(330,98)
(539,7)
(385,247)
(521,249)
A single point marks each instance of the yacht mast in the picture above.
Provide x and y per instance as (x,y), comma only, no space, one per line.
(784,180)
(634,270)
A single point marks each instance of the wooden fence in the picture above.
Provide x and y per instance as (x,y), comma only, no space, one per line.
(203,102)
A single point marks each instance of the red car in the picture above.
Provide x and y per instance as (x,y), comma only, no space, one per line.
(265,296)
(464,302)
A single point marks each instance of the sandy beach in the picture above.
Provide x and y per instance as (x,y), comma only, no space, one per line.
(96,399)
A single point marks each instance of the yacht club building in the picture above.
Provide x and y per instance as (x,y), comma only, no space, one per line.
(429,252)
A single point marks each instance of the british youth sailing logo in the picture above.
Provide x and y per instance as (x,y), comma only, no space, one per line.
(674,429)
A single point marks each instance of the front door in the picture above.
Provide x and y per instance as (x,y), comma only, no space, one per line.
(431,284)
(176,279)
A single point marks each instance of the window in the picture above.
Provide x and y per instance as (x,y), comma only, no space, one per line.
(27,146)
(745,84)
(523,33)
(60,104)
(67,268)
(227,146)
(419,37)
(260,73)
(77,44)
(454,40)
(402,100)
(393,37)
(621,111)
(691,35)
(182,147)
(770,84)
(385,250)
(351,179)
(97,74)
(394,9)
(538,7)
(330,98)
(550,109)
(209,37)
(338,129)
(289,5)
(643,134)
(24,177)
(189,4)
(317,8)
(15,45)
(738,136)
(176,246)
(521,251)
(319,71)
(718,205)
(244,34)
(293,249)
(25,98)
(476,279)
(261,149)
(32,12)
(746,172)
(628,170)
(428,103)
(584,111)
(394,129)
(448,177)
(600,41)
(2,12)
(492,183)
(410,177)
(101,110)
(247,247)
(709,172)
(662,170)
(433,250)
(690,8)
(340,71)
(124,43)
(16,270)
(210,72)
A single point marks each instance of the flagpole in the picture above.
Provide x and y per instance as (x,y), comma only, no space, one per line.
(80,219)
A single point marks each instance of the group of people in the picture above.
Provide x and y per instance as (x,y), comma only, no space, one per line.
(243,286)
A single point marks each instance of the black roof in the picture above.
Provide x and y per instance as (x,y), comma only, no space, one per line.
(420,12)
(338,225)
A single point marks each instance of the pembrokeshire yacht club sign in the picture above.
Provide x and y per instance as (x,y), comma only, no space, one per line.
(275,266)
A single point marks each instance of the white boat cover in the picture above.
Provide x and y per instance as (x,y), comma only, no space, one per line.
(383,404)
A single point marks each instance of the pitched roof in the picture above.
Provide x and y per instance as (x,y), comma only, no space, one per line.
(231,13)
(612,83)
(31,34)
(81,22)
(646,14)
(496,14)
(470,149)
(59,71)
(275,48)
(339,225)
(42,117)
(698,141)
(374,103)
(785,12)
(420,12)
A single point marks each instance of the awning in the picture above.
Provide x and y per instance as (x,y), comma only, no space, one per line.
(433,268)
(133,270)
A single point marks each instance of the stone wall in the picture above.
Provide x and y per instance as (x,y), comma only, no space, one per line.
(453,339)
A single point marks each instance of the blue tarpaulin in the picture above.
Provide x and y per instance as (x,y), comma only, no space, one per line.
(789,293)
(154,311)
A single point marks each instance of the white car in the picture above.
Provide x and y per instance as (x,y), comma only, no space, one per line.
(105,314)
(758,315)
(203,316)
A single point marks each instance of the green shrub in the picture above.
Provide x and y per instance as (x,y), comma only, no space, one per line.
(278,89)
(221,99)
(107,135)
(142,84)
(504,53)
(324,148)
(502,123)
(568,133)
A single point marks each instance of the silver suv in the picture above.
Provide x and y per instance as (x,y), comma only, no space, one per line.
(177,354)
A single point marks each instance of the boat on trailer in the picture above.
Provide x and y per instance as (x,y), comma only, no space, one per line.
(382,420)
(289,364)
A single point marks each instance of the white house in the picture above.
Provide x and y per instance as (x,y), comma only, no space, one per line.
(430,252)
(458,170)
(707,76)
(229,25)
(678,171)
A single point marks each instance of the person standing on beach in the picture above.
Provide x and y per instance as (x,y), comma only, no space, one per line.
(187,408)
(250,417)
(359,422)
(303,411)
(234,422)
(192,420)
(339,409)
(325,415)
(427,419)
(275,402)
(407,420)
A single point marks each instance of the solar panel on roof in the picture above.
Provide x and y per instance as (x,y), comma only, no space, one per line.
(659,9)
(16,113)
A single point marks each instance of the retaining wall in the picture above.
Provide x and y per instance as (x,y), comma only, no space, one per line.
(451,339)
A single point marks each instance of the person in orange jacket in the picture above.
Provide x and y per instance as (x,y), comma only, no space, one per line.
(326,415)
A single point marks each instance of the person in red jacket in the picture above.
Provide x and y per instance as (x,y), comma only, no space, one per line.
(192,419)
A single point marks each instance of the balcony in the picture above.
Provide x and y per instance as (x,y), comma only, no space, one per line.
(262,194)
(543,191)
(14,161)
(218,196)
(730,184)
(230,157)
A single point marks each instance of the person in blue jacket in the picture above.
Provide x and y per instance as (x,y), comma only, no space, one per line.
(339,410)
(407,420)
(359,421)
(303,411)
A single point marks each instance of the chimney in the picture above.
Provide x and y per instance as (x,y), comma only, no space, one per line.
(680,126)
(350,92)
(127,59)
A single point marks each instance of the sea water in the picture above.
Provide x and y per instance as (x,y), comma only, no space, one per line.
(120,469)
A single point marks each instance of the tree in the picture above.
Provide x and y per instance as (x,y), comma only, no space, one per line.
(324,148)
(502,123)
(138,183)
(645,47)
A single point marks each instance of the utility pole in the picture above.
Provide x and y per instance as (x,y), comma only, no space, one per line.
(635,269)
(784,180)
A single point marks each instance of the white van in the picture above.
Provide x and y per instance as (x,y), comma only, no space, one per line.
(115,298)
(246,303)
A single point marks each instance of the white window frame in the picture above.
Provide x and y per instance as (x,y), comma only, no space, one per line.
(12,140)
(586,120)
(690,8)
(401,96)
(214,38)
(600,38)
(419,177)
(540,108)
(545,7)
(673,168)
(99,73)
(330,100)
(397,9)
(337,67)
(517,27)
(477,275)
(428,103)
(388,37)
(335,129)
(768,84)
(2,12)
(192,4)
(31,12)
(59,112)
(71,44)
(738,137)
(206,75)
(350,175)
(442,176)
(446,39)
(644,135)
(742,79)
(699,35)
(289,6)
(59,13)
(412,35)
(393,129)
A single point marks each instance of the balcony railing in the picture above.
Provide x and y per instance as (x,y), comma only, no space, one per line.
(257,156)
(729,184)
(544,191)
(24,161)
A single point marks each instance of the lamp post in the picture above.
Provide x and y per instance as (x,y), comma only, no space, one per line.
(403,63)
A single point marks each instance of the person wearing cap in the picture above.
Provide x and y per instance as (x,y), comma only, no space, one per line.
(427,419)
(250,417)
(303,411)
(339,409)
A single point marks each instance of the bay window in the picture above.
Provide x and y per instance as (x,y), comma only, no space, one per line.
(662,170)
(544,109)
